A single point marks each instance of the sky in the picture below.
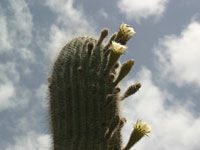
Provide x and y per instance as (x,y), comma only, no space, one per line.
(165,48)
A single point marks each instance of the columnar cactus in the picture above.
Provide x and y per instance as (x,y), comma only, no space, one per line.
(85,96)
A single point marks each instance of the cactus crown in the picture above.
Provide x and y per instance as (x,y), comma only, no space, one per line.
(84,93)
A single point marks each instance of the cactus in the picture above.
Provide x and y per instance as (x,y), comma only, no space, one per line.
(84,93)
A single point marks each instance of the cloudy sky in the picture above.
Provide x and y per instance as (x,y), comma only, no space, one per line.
(165,48)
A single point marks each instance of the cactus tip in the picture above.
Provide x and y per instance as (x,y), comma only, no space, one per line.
(103,35)
(90,48)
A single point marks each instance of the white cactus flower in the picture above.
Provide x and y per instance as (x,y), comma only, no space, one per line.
(126,29)
(142,127)
(117,47)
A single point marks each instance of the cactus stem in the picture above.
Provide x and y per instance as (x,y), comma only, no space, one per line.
(125,69)
(90,48)
(122,122)
(112,77)
(117,64)
(49,79)
(115,69)
(122,39)
(109,99)
(103,35)
(80,69)
(96,56)
(83,51)
(116,50)
(131,90)
(112,60)
(103,65)
(110,42)
(116,90)
(84,93)
(113,126)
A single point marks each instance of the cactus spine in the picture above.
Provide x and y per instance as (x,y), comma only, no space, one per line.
(84,93)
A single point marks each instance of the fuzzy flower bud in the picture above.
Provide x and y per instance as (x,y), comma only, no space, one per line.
(126,30)
(117,48)
(124,34)
(141,128)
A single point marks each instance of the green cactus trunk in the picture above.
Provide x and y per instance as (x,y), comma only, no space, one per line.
(84,96)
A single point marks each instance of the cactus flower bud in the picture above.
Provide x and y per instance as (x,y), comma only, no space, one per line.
(117,48)
(126,30)
(124,34)
(141,128)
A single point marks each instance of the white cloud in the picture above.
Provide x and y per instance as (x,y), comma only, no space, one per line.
(16,29)
(26,54)
(42,95)
(9,72)
(31,141)
(70,23)
(21,23)
(65,9)
(179,56)
(5,44)
(15,38)
(7,89)
(58,38)
(11,98)
(173,127)
(9,80)
(103,13)
(7,93)
(137,9)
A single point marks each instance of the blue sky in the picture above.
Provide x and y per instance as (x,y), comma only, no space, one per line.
(165,48)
